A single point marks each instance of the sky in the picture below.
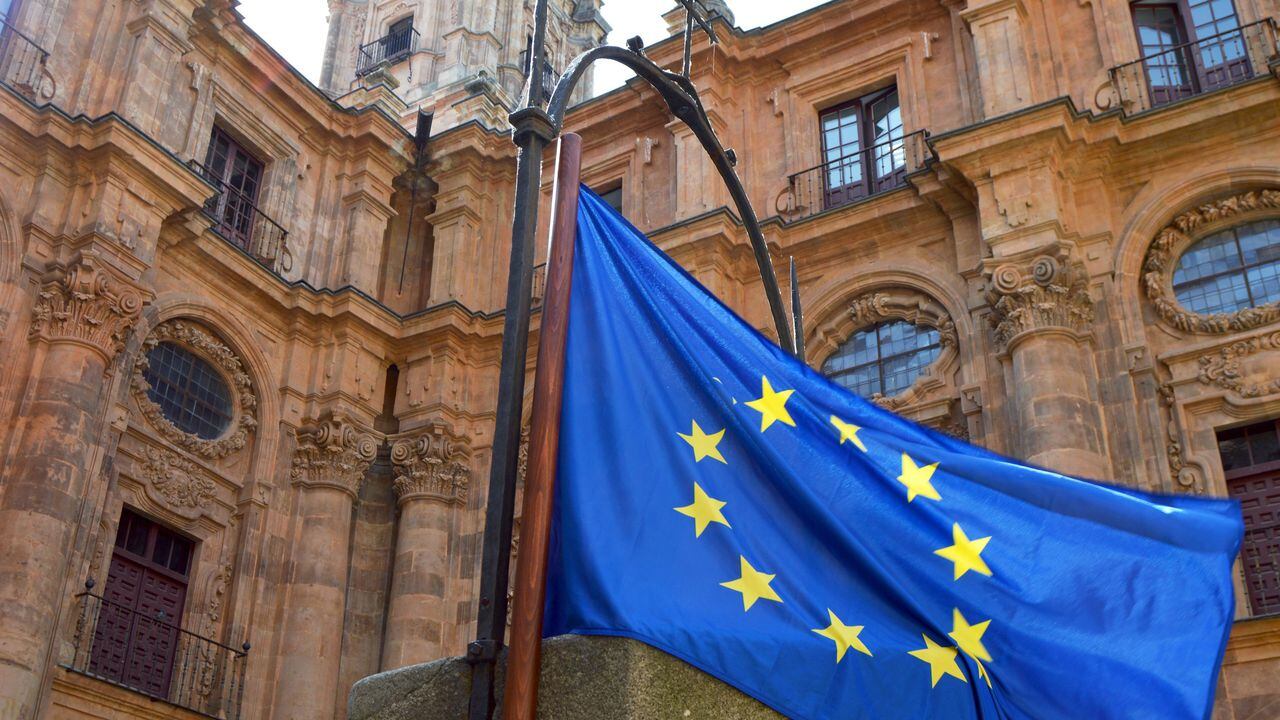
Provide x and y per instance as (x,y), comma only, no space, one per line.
(297,28)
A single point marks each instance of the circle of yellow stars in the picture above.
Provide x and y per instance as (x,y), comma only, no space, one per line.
(965,553)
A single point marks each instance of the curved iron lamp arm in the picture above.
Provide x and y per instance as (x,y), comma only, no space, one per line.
(682,99)
(533,129)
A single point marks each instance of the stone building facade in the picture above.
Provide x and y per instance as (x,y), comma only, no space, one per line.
(250,327)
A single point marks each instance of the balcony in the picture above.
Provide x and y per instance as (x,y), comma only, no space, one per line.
(549,76)
(871,171)
(387,50)
(238,220)
(155,657)
(1194,68)
(22,64)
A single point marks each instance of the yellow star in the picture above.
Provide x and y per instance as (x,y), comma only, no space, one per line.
(844,636)
(753,585)
(942,660)
(771,405)
(918,479)
(704,445)
(848,431)
(704,511)
(969,639)
(965,553)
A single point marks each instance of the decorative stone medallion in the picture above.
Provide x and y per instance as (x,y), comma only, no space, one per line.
(176,483)
(1163,255)
(207,346)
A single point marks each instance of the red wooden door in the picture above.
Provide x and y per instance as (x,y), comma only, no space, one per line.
(1251,459)
(136,636)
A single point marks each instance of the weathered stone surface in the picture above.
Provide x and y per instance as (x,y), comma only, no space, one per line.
(583,678)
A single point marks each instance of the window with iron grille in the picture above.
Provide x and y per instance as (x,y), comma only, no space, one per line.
(191,393)
(238,174)
(863,147)
(884,359)
(137,630)
(1231,270)
(1251,463)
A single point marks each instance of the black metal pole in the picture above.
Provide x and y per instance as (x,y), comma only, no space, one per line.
(531,132)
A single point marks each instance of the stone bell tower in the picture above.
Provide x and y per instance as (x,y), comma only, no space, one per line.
(460,59)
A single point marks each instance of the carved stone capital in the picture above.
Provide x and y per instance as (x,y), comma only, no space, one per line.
(1177,236)
(431,464)
(332,453)
(212,349)
(83,303)
(1039,291)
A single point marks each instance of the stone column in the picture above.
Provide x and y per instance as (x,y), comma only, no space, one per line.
(1041,314)
(431,481)
(82,314)
(328,468)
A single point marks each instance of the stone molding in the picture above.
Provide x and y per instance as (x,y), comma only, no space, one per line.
(214,350)
(82,302)
(1046,290)
(431,464)
(895,303)
(333,453)
(1185,230)
(176,483)
(1222,368)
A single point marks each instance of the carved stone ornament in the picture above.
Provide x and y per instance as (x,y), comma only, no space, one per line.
(1162,259)
(176,483)
(1222,369)
(431,464)
(332,453)
(893,303)
(84,303)
(214,350)
(1049,291)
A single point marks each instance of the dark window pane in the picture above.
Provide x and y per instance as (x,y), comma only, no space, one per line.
(613,198)
(136,542)
(886,358)
(1264,445)
(1231,270)
(164,546)
(190,392)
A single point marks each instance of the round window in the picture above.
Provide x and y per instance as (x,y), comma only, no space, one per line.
(189,391)
(883,359)
(1231,270)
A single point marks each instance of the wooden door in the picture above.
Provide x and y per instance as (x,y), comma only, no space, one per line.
(888,154)
(1251,461)
(1162,41)
(1220,56)
(136,636)
(239,175)
(844,174)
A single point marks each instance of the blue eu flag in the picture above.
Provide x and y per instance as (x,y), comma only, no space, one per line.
(722,502)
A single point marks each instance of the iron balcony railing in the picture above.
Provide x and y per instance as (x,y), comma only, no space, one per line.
(23,63)
(549,76)
(155,657)
(389,49)
(244,225)
(873,170)
(1193,68)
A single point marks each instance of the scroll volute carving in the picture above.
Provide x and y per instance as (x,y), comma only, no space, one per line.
(333,452)
(1046,289)
(84,302)
(432,464)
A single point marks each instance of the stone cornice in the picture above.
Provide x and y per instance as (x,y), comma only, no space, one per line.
(332,453)
(1186,229)
(431,464)
(1039,290)
(82,302)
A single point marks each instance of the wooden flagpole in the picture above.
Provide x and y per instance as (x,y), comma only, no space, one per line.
(520,700)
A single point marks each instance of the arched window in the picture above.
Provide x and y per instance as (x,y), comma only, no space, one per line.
(191,393)
(884,359)
(1231,270)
